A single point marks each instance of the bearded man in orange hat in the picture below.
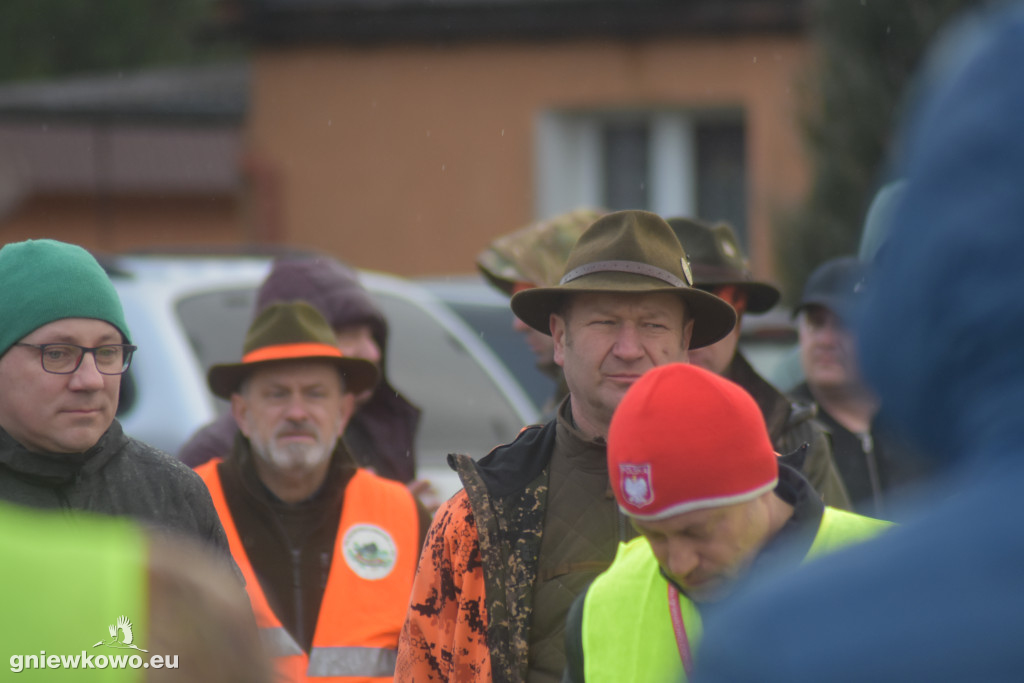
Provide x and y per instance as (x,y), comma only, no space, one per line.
(328,549)
(534,524)
(692,466)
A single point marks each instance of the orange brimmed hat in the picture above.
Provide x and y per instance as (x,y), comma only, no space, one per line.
(290,331)
(685,439)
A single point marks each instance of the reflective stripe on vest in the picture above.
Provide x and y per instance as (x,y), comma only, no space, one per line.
(352,661)
(368,585)
(627,626)
(279,642)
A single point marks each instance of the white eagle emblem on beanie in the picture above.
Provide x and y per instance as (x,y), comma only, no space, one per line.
(635,481)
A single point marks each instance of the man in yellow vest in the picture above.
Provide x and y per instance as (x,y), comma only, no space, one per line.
(100,599)
(328,549)
(692,465)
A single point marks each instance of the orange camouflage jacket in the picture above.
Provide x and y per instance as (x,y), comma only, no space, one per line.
(469,612)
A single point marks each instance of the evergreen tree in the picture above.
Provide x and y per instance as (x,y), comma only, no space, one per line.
(867,52)
(52,38)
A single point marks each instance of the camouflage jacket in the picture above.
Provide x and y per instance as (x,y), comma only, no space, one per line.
(470,608)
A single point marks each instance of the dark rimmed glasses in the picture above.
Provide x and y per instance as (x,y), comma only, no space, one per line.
(64,359)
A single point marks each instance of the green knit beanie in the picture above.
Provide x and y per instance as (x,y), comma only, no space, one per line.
(46,280)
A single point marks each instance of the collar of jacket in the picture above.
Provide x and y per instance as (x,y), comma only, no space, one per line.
(774,405)
(57,469)
(509,468)
(796,536)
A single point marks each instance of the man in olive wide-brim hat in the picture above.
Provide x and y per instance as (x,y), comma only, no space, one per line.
(719,267)
(507,555)
(327,548)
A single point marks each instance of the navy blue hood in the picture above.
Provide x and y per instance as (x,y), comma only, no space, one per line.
(942,326)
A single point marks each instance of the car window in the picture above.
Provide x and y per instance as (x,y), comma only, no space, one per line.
(464,411)
(215,323)
(494,324)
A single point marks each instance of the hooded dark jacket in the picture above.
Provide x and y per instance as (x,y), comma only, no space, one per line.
(941,597)
(873,466)
(117,476)
(381,434)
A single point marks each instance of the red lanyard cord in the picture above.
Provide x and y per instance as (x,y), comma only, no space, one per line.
(682,641)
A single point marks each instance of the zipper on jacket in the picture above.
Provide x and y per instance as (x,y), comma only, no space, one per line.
(300,626)
(867,444)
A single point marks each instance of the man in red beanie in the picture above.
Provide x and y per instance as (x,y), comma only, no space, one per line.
(691,464)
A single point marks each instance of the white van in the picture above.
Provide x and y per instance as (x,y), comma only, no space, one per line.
(189,312)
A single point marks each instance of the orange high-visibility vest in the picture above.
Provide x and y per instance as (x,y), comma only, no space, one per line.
(368,587)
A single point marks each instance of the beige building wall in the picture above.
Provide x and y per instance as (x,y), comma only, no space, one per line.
(411,158)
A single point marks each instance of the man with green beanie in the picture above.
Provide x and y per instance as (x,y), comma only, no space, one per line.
(719,267)
(534,256)
(64,344)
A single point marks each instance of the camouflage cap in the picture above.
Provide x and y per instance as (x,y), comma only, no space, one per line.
(535,254)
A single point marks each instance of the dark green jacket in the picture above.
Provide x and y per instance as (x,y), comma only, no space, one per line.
(118,476)
(791,424)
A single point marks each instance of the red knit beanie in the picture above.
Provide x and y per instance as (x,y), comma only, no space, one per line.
(685,439)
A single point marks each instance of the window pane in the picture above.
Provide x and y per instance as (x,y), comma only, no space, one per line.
(626,165)
(721,175)
(464,411)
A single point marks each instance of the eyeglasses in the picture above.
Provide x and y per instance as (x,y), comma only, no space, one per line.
(64,359)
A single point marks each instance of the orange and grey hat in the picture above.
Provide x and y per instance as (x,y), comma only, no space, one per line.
(686,439)
(290,331)
(629,252)
(716,260)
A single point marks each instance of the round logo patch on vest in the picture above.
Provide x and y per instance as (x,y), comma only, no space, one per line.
(369,551)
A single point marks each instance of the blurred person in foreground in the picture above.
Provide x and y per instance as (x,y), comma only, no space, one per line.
(64,345)
(939,598)
(873,464)
(328,549)
(534,256)
(719,267)
(693,468)
(381,434)
(84,591)
(534,525)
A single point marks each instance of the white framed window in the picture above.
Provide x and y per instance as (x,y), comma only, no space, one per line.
(671,161)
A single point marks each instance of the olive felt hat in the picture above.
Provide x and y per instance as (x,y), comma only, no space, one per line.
(629,252)
(290,331)
(717,261)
